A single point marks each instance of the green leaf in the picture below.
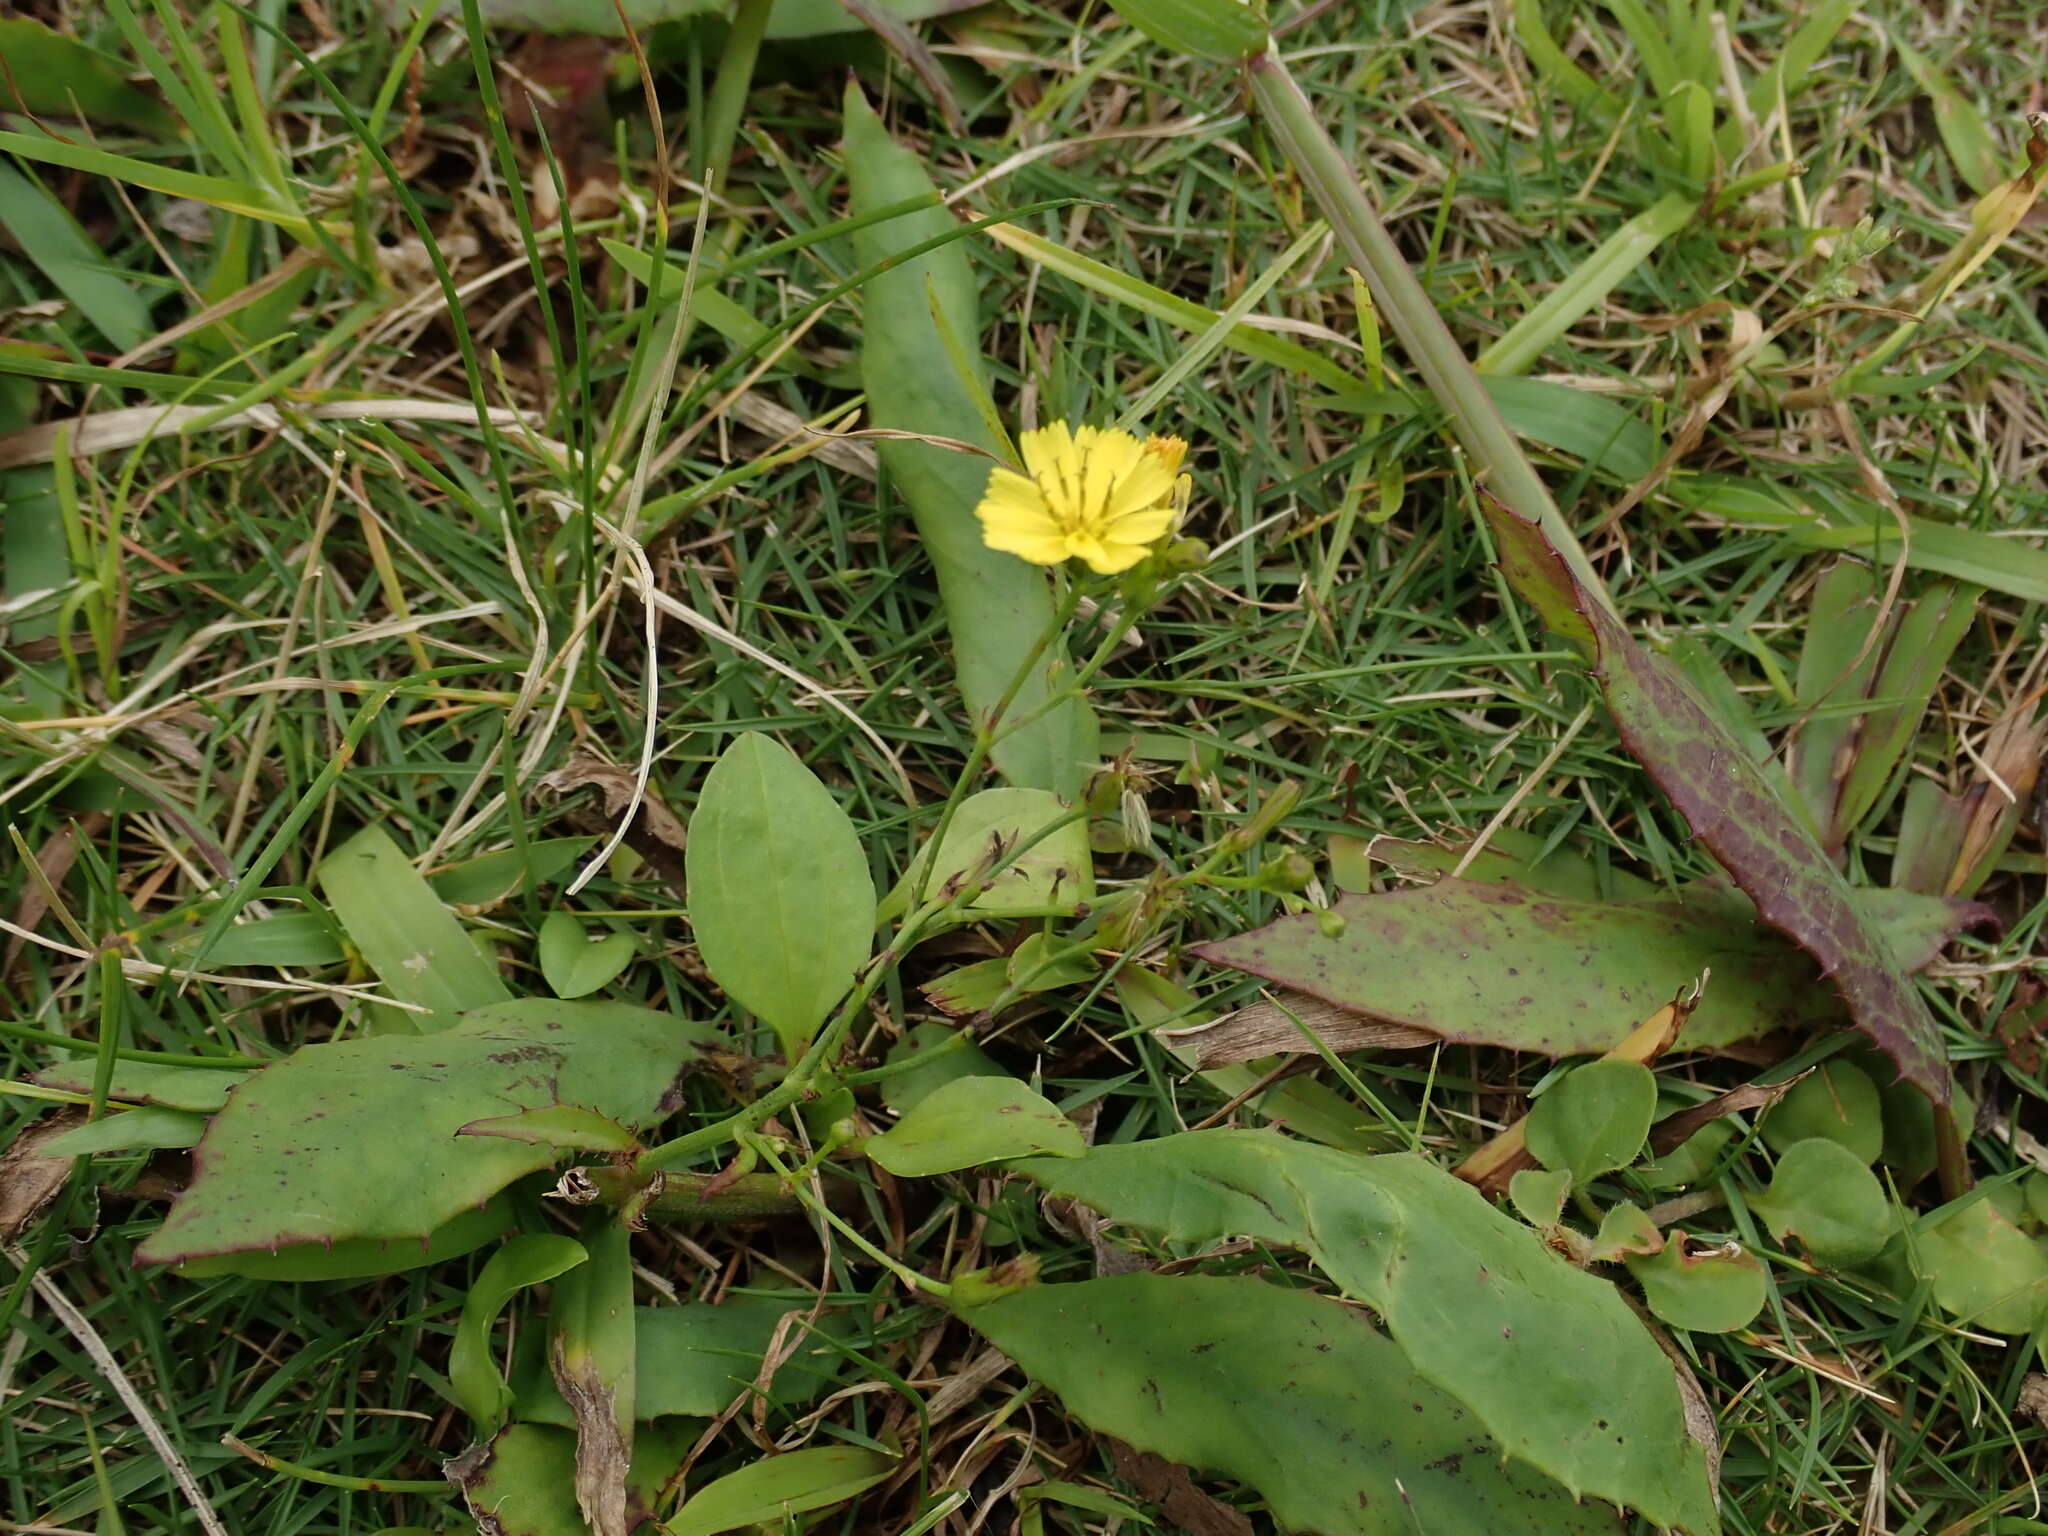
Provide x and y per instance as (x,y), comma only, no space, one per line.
(362,1258)
(971,1121)
(971,989)
(1055,871)
(1715,1290)
(527,1260)
(1960,124)
(52,240)
(199,1089)
(490,878)
(51,75)
(1222,31)
(575,962)
(775,1488)
(523,1483)
(1537,1194)
(1498,964)
(998,608)
(781,901)
(1983,1269)
(1484,1311)
(907,1089)
(1697,1156)
(1290,1393)
(562,1126)
(368,1128)
(592,1351)
(406,935)
(136,1128)
(1836,1101)
(692,1361)
(1827,1197)
(2008,565)
(1594,1119)
(1625,1229)
(288,939)
(1736,812)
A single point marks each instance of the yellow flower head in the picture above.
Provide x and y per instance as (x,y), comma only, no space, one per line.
(1097,494)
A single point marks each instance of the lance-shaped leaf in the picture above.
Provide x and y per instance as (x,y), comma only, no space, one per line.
(1484,963)
(1733,809)
(1548,1359)
(1294,1394)
(359,1138)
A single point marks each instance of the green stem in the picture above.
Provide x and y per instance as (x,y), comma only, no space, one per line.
(1507,472)
(335,1479)
(683,1197)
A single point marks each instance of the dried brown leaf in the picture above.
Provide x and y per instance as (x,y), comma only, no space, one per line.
(29,1181)
(1168,1485)
(656,833)
(1268,1027)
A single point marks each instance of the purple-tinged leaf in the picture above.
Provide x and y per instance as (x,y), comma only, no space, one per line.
(1733,810)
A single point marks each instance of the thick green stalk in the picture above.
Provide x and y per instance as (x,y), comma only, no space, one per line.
(1505,471)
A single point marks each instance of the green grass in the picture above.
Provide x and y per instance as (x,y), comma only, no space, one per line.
(223,599)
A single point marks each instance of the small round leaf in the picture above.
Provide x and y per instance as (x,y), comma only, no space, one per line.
(1822,1193)
(1838,1102)
(1594,1120)
(1714,1290)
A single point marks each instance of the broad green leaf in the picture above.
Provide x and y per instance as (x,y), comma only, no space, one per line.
(1293,1394)
(371,1124)
(288,939)
(781,901)
(1712,1290)
(1594,1119)
(692,1361)
(53,242)
(905,1090)
(362,1258)
(771,1490)
(523,1482)
(1736,813)
(971,1121)
(1827,1197)
(490,878)
(1055,870)
(199,1089)
(562,1126)
(1043,963)
(406,935)
(1837,1101)
(1484,1311)
(51,75)
(998,608)
(1498,964)
(529,1259)
(1984,1270)
(126,1132)
(576,962)
(592,1351)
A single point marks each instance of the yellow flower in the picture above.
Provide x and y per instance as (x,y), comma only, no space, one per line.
(1097,494)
